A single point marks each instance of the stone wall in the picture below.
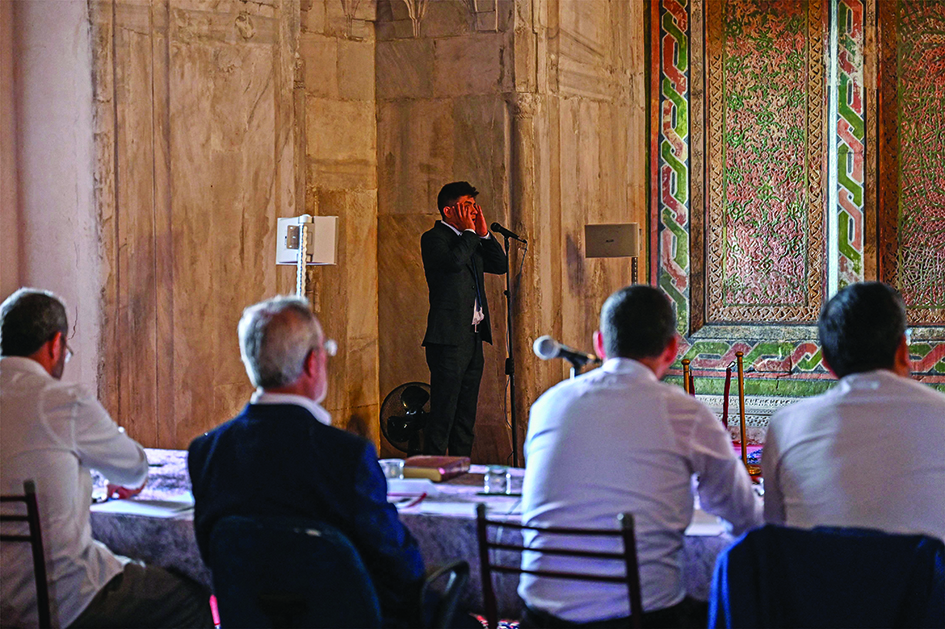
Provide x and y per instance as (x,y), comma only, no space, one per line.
(336,47)
(195,157)
(47,199)
(9,210)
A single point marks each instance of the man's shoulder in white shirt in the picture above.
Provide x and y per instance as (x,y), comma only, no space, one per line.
(624,381)
(868,452)
(53,432)
(881,393)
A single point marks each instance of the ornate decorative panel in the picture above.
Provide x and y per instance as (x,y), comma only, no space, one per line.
(740,93)
(765,244)
(850,141)
(673,149)
(912,150)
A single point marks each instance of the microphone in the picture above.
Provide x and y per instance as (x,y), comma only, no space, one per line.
(508,234)
(547,348)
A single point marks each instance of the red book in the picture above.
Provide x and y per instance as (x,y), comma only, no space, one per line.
(436,468)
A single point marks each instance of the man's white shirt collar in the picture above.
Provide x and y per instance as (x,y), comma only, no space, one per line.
(261,397)
(628,366)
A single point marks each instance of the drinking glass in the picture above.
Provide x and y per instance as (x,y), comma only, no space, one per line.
(497,480)
(393,468)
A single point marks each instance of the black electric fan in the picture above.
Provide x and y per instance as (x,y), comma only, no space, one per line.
(404,416)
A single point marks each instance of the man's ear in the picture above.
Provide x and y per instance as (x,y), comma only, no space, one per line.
(827,366)
(311,363)
(903,365)
(55,346)
(672,349)
(599,345)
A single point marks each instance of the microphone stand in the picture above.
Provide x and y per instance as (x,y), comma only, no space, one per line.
(575,369)
(510,361)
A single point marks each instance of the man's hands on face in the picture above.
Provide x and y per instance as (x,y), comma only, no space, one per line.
(466,215)
(481,228)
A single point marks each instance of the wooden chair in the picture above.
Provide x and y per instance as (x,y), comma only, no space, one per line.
(35,539)
(631,576)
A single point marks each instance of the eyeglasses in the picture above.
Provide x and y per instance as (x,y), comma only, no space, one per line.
(65,343)
(330,346)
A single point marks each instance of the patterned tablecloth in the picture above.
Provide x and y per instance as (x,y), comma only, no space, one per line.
(157,527)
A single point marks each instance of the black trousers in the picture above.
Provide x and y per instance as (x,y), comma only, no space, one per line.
(147,596)
(455,374)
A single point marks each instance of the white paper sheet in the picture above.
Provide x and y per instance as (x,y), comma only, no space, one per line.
(147,508)
(412,486)
(705,524)
(431,507)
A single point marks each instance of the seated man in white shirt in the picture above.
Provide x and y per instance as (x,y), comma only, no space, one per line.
(870,452)
(53,433)
(618,440)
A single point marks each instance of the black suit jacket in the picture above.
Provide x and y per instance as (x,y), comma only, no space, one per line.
(278,460)
(454,267)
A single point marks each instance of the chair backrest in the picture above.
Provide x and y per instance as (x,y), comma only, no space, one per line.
(454,577)
(280,572)
(778,576)
(35,539)
(628,556)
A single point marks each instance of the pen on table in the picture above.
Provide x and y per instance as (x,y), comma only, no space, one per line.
(417,501)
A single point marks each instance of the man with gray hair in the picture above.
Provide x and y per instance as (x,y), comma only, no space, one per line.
(282,457)
(53,433)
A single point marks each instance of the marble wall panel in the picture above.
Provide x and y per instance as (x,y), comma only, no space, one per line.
(393,21)
(320,59)
(415,153)
(199,93)
(341,180)
(312,16)
(341,131)
(361,223)
(373,148)
(362,421)
(474,64)
(9,219)
(480,129)
(447,18)
(356,70)
(404,68)
(402,302)
(136,248)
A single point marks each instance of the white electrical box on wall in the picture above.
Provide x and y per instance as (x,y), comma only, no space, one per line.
(321,248)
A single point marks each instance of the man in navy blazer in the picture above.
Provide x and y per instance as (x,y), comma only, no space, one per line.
(456,253)
(282,457)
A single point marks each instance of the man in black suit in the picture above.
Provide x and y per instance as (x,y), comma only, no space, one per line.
(456,253)
(282,457)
